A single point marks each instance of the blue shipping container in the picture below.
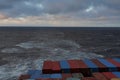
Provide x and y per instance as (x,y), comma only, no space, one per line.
(116,74)
(117,59)
(65,66)
(110,66)
(56,76)
(91,65)
(35,76)
(38,75)
(45,76)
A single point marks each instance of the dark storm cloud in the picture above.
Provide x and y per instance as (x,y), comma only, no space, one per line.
(115,4)
(8,4)
(16,8)
(63,6)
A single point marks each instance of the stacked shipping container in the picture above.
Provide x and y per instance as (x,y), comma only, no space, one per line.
(74,66)
(91,65)
(76,69)
(47,67)
(117,64)
(101,67)
(99,76)
(84,69)
(65,67)
(110,66)
(116,74)
(109,75)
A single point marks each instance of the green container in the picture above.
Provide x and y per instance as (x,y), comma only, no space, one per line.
(77,75)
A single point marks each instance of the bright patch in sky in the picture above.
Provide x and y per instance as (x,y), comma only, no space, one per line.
(37,5)
(27,3)
(89,9)
(40,6)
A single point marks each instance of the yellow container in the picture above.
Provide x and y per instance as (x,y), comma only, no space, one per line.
(115,79)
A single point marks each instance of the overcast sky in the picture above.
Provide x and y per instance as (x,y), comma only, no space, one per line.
(60,13)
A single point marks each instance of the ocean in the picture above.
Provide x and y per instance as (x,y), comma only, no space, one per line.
(56,28)
(24,48)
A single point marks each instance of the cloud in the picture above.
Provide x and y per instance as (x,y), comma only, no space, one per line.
(17,8)
(61,10)
(2,16)
(64,6)
(55,20)
(115,4)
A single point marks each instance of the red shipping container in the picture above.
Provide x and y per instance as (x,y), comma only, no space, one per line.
(109,75)
(84,69)
(117,64)
(102,67)
(56,67)
(66,75)
(23,77)
(99,76)
(47,67)
(89,78)
(74,66)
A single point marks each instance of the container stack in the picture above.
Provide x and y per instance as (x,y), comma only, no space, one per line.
(93,69)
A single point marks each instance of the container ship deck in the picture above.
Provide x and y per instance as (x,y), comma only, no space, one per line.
(86,69)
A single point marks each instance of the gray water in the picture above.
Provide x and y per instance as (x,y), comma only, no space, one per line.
(22,49)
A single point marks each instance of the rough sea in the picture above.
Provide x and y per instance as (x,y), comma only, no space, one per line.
(24,48)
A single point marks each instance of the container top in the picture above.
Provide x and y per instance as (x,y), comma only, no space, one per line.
(47,65)
(116,74)
(64,64)
(56,76)
(90,63)
(55,65)
(114,62)
(98,63)
(82,64)
(31,72)
(37,75)
(99,76)
(106,63)
(117,59)
(73,63)
(109,75)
